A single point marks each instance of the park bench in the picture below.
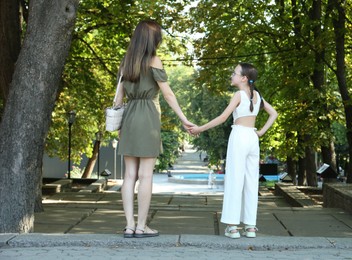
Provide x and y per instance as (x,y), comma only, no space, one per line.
(97,186)
(293,196)
(57,186)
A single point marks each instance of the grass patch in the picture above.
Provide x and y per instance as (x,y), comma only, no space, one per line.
(268,184)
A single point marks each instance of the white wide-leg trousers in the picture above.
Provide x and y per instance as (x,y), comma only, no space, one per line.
(240,202)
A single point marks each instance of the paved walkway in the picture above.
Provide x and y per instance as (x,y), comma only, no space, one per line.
(78,225)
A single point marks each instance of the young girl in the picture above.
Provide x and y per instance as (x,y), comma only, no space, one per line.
(140,141)
(242,160)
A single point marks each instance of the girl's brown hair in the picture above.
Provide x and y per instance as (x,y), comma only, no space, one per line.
(142,48)
(249,71)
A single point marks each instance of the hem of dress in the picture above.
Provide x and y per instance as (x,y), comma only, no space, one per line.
(139,155)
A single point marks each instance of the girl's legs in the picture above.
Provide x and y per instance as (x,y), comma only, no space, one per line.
(145,176)
(234,177)
(127,190)
(241,179)
(250,190)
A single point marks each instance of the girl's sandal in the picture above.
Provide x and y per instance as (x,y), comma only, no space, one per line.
(232,232)
(250,231)
(128,234)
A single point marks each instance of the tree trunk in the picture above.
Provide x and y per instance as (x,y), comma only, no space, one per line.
(91,162)
(329,156)
(340,32)
(328,152)
(291,171)
(301,171)
(10,43)
(309,164)
(27,113)
(38,205)
(311,171)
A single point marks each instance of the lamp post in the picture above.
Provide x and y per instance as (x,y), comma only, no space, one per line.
(98,137)
(71,120)
(114,145)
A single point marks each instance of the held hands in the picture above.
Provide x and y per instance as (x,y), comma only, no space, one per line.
(187,125)
(191,128)
(195,130)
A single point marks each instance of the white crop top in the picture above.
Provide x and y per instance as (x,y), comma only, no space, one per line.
(243,108)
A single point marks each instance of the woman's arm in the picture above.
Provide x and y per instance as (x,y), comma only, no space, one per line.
(119,98)
(272,117)
(170,98)
(169,95)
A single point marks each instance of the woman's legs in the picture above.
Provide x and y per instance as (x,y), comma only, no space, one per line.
(145,176)
(137,169)
(127,190)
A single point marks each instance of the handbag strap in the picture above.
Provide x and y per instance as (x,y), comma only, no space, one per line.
(117,89)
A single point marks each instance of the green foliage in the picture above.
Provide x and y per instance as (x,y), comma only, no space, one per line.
(281,41)
(214,141)
(102,34)
(171,143)
(181,79)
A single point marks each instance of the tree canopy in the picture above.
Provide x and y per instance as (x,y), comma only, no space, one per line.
(293,46)
(102,34)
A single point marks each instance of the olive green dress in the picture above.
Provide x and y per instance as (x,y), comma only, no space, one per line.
(140,131)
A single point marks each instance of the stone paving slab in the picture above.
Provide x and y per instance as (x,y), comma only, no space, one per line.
(272,202)
(188,201)
(53,228)
(312,225)
(344,218)
(269,225)
(102,221)
(59,215)
(87,228)
(75,196)
(190,213)
(169,222)
(181,212)
(4,238)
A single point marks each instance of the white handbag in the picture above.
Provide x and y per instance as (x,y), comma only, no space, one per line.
(114,114)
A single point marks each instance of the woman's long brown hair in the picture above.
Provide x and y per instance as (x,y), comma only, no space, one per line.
(145,40)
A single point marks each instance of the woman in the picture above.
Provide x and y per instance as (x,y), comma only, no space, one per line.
(140,140)
(242,159)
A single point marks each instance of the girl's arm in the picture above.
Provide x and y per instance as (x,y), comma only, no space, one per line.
(272,117)
(236,99)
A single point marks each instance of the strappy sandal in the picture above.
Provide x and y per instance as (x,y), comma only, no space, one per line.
(128,235)
(146,232)
(250,234)
(232,232)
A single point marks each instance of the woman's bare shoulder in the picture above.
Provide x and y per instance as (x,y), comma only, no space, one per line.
(156,63)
